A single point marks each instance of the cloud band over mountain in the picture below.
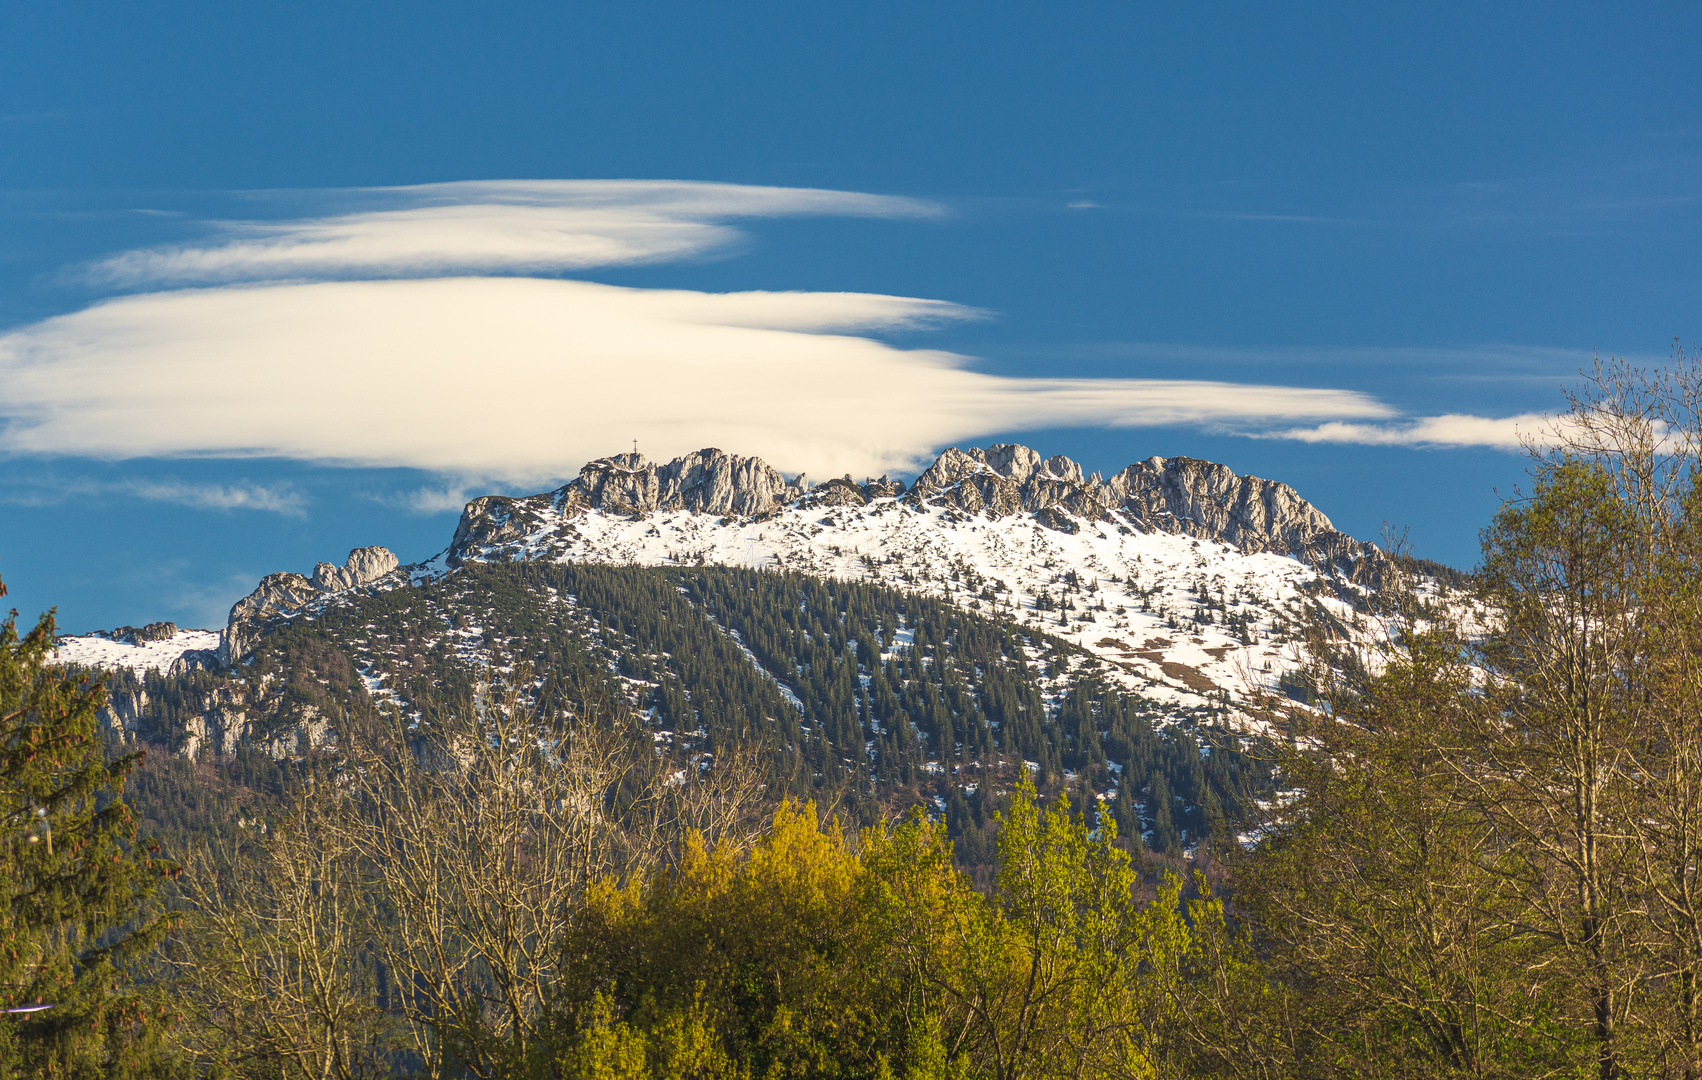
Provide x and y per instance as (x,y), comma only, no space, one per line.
(359,337)
(526,378)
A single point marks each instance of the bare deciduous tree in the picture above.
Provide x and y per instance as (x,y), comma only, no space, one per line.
(270,960)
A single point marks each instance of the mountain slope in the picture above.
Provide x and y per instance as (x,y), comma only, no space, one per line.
(857,694)
(1187,579)
(869,641)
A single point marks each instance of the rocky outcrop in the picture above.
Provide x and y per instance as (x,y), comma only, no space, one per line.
(281,593)
(493,522)
(154,631)
(212,720)
(844,491)
(837,492)
(363,567)
(884,488)
(276,594)
(705,482)
(1210,501)
(1202,498)
(1008,479)
(1176,495)
(215,718)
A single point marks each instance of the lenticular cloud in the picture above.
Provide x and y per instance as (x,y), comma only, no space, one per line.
(524,379)
(494,226)
(291,354)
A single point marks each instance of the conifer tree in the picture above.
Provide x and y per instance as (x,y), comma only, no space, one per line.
(75,888)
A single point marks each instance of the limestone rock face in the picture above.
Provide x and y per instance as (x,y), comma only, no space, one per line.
(1006,479)
(495,520)
(711,482)
(1205,499)
(275,594)
(123,712)
(624,482)
(967,481)
(884,488)
(363,567)
(1177,495)
(142,635)
(284,592)
(705,481)
(841,492)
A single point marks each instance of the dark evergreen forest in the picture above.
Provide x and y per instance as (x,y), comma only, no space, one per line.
(853,694)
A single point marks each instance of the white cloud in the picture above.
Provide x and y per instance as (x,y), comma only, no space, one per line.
(506,226)
(279,499)
(1452,429)
(524,379)
(434,499)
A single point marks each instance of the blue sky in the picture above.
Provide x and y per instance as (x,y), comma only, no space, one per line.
(271,288)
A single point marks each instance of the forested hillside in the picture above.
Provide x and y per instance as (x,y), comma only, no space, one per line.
(857,695)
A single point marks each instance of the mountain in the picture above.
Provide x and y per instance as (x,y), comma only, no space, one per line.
(870,638)
(1119,567)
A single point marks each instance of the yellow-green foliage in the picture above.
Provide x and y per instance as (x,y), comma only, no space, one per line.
(812,956)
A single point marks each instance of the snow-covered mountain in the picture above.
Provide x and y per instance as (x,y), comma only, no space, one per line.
(1186,580)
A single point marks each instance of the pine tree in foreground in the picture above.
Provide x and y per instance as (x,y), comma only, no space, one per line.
(75,886)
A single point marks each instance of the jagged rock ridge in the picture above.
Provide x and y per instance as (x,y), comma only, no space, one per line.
(285,592)
(1180,495)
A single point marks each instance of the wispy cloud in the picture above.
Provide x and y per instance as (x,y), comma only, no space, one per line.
(189,597)
(1450,430)
(1522,361)
(280,499)
(433,499)
(524,379)
(500,226)
(275,499)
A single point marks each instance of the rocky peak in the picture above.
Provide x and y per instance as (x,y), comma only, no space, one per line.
(844,491)
(1176,495)
(884,488)
(1064,469)
(276,594)
(280,593)
(363,566)
(1006,479)
(708,481)
(1204,498)
(713,482)
(1007,459)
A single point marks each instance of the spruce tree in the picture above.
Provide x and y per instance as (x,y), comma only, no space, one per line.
(74,895)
